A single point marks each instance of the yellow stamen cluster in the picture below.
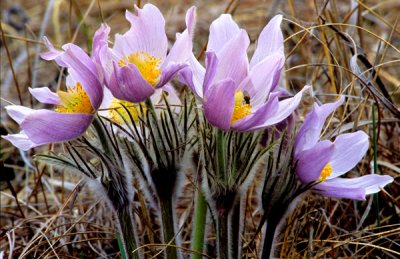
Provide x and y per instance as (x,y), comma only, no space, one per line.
(242,107)
(74,100)
(325,173)
(148,66)
(119,114)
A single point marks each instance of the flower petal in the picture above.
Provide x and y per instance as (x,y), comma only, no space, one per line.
(100,41)
(84,70)
(285,109)
(129,85)
(222,30)
(259,82)
(147,32)
(171,95)
(219,102)
(182,49)
(310,131)
(106,57)
(18,113)
(270,41)
(45,95)
(173,98)
(45,126)
(52,54)
(233,62)
(349,150)
(282,91)
(106,103)
(169,72)
(252,121)
(211,70)
(353,188)
(122,46)
(310,162)
(20,141)
(193,76)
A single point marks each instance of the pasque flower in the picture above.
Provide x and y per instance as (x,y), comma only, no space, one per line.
(75,107)
(120,111)
(138,63)
(324,161)
(238,94)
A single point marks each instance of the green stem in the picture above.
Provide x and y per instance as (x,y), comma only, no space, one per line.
(235,230)
(127,233)
(375,147)
(167,216)
(199,225)
(222,216)
(165,193)
(102,135)
(221,156)
(222,231)
(155,128)
(150,107)
(267,251)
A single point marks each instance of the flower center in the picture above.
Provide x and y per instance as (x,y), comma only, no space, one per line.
(74,100)
(119,114)
(325,173)
(148,66)
(242,106)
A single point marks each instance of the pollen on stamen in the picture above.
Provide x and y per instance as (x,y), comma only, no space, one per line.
(242,106)
(148,66)
(74,100)
(120,114)
(325,173)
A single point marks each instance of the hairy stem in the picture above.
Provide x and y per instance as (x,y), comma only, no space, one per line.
(155,127)
(199,225)
(127,232)
(222,235)
(222,221)
(164,183)
(269,238)
(235,231)
(102,135)
(167,216)
(221,155)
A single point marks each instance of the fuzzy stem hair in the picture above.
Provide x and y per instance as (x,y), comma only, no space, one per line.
(127,232)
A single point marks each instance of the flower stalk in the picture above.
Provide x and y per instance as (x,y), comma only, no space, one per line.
(126,226)
(164,180)
(199,224)
(127,232)
(235,226)
(167,217)
(223,236)
(272,225)
(221,155)
(222,213)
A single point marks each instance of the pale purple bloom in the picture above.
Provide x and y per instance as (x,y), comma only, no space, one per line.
(324,161)
(75,108)
(110,105)
(238,94)
(138,62)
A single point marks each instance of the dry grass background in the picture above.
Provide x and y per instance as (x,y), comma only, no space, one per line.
(47,214)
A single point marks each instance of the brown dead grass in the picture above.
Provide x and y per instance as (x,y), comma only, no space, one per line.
(45,213)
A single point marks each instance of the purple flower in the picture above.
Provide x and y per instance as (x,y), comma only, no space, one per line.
(324,161)
(238,94)
(74,110)
(112,108)
(138,62)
